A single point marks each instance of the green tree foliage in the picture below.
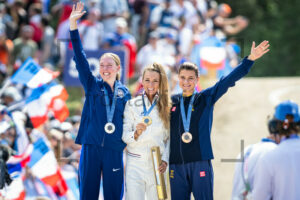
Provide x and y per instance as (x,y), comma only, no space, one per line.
(278,22)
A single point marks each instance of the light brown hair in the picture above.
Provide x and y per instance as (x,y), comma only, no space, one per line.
(116,59)
(164,100)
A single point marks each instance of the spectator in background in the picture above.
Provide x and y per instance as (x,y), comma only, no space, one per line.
(138,21)
(163,20)
(24,46)
(6,22)
(49,54)
(223,25)
(277,175)
(121,38)
(91,30)
(149,53)
(19,16)
(10,96)
(245,171)
(183,10)
(35,16)
(6,47)
(110,11)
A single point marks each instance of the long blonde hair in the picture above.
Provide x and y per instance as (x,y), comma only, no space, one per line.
(164,100)
(116,59)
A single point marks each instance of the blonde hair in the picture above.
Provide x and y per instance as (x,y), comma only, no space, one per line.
(116,59)
(164,100)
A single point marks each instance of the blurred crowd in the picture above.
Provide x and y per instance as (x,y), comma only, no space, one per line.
(164,31)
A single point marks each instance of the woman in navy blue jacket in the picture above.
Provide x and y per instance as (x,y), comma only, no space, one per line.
(191,123)
(101,127)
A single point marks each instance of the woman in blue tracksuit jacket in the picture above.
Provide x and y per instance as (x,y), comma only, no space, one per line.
(191,122)
(101,126)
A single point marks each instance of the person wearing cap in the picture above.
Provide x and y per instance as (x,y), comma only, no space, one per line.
(101,126)
(149,52)
(191,121)
(245,171)
(121,38)
(10,96)
(277,175)
(111,10)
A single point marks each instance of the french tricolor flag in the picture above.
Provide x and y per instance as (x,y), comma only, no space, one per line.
(32,75)
(44,166)
(15,191)
(73,187)
(212,54)
(16,163)
(49,97)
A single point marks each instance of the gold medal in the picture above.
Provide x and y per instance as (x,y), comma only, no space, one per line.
(147,120)
(187,137)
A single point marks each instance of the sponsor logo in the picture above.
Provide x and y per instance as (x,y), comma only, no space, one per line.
(114,170)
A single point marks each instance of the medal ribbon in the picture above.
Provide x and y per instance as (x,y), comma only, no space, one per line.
(110,109)
(147,112)
(186,119)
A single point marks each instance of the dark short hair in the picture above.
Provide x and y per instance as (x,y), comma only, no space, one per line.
(189,66)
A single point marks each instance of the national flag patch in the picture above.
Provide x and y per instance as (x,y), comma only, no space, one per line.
(202,174)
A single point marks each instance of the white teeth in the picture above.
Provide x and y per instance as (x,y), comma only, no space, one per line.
(106,74)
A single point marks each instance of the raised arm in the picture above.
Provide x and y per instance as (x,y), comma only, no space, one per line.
(221,87)
(82,65)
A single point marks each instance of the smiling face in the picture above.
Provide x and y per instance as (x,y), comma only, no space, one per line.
(187,81)
(108,69)
(150,82)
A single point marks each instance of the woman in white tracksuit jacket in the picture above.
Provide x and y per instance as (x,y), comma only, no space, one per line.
(139,137)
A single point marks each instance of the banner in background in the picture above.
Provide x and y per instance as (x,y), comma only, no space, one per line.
(70,75)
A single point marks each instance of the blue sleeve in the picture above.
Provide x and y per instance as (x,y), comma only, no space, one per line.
(82,65)
(221,87)
(127,96)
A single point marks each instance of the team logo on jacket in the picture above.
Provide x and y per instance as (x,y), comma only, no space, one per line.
(121,93)
(202,174)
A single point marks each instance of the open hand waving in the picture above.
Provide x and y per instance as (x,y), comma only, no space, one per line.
(259,51)
(77,13)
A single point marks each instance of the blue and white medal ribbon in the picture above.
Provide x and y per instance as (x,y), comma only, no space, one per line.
(109,126)
(186,137)
(146,119)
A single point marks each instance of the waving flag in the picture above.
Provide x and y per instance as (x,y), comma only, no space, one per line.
(32,75)
(43,165)
(49,97)
(16,163)
(15,191)
(73,188)
(209,54)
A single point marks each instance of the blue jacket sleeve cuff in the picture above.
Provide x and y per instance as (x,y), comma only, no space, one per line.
(74,34)
(247,60)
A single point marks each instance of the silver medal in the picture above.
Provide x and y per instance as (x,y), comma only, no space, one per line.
(109,128)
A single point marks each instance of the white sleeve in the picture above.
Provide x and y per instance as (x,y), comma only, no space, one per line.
(155,15)
(238,183)
(166,153)
(128,124)
(262,187)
